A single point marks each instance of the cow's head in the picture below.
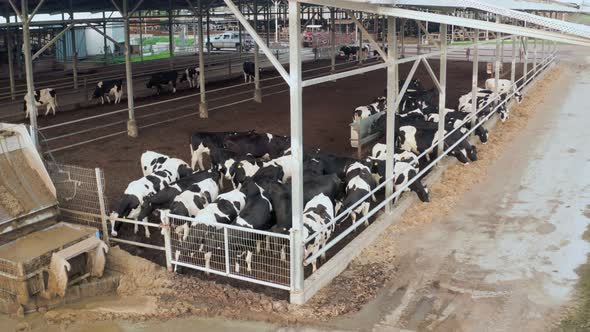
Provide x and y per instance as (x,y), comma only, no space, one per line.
(149,84)
(460,152)
(423,194)
(178,208)
(518,97)
(482,133)
(377,168)
(472,152)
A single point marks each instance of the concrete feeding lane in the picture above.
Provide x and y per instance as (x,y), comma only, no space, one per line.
(505,258)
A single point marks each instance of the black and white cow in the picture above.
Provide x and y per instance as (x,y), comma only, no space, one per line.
(195,198)
(256,214)
(317,213)
(192,76)
(242,170)
(249,71)
(505,87)
(153,162)
(404,170)
(163,199)
(333,164)
(266,146)
(201,143)
(163,78)
(485,102)
(224,210)
(43,97)
(413,139)
(457,119)
(106,89)
(363,112)
(351,52)
(134,197)
(359,183)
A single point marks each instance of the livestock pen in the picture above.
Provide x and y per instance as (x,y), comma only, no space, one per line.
(89,140)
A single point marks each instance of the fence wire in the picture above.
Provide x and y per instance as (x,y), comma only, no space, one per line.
(235,252)
(78,194)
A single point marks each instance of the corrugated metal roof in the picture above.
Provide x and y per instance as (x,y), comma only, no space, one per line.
(511,4)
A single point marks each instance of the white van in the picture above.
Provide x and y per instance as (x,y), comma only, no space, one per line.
(231,39)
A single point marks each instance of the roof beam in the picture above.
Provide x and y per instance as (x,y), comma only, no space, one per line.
(36,10)
(446,19)
(52,41)
(15,8)
(116,6)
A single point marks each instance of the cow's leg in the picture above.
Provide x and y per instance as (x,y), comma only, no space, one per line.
(47,110)
(257,247)
(147,230)
(173,87)
(245,77)
(102,100)
(176,257)
(267,243)
(207,261)
(135,228)
(283,254)
(249,261)
(108,99)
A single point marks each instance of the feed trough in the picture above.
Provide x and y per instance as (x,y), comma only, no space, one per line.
(39,255)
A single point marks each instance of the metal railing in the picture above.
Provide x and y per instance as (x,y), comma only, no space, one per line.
(399,190)
(236,252)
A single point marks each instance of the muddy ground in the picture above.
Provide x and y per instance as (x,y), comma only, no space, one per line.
(148,292)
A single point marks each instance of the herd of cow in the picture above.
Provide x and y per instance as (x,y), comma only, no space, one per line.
(105,89)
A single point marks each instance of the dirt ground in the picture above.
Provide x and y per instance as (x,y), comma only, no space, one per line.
(149,292)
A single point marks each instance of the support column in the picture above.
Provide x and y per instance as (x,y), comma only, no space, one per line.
(26,49)
(170,36)
(203,107)
(526,59)
(19,54)
(74,50)
(443,86)
(104,37)
(333,40)
(276,21)
(140,35)
(535,55)
(257,91)
(131,124)
(392,92)
(239,48)
(513,65)
(295,94)
(10,47)
(268,5)
(497,63)
(360,34)
(419,44)
(475,76)
(207,45)
(402,35)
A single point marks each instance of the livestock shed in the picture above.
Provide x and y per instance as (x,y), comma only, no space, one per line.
(281,260)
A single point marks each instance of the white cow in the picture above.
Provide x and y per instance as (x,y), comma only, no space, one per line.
(47,97)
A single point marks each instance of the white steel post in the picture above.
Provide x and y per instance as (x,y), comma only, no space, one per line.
(392,91)
(443,87)
(526,58)
(140,35)
(131,124)
(74,50)
(497,63)
(513,65)
(103,211)
(31,105)
(257,91)
(297,295)
(276,21)
(10,46)
(360,34)
(419,44)
(203,107)
(535,56)
(104,38)
(402,34)
(333,40)
(475,76)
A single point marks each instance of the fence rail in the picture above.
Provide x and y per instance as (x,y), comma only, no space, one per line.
(241,253)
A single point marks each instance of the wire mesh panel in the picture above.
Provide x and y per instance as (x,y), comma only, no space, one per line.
(79,195)
(236,252)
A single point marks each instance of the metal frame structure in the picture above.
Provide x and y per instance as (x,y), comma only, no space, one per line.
(537,29)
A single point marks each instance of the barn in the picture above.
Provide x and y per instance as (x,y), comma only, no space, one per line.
(387,78)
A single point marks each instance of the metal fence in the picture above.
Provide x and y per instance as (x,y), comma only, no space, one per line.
(80,195)
(256,256)
(519,85)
